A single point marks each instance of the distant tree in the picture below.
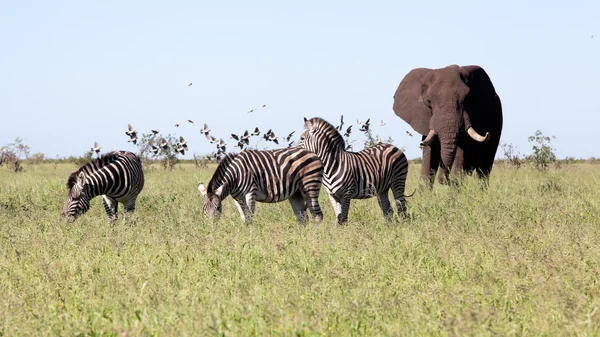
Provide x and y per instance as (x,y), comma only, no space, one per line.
(543,154)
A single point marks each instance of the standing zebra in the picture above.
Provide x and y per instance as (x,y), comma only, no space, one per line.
(117,176)
(266,176)
(356,175)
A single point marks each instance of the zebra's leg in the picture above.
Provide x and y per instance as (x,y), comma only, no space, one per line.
(299,207)
(240,208)
(400,201)
(311,202)
(129,207)
(337,208)
(250,206)
(344,207)
(384,202)
(110,206)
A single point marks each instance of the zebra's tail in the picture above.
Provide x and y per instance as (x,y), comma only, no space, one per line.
(413,193)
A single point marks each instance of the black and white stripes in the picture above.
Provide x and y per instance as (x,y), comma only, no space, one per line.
(266,176)
(356,175)
(117,176)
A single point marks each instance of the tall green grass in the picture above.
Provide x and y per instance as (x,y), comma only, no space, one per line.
(520,258)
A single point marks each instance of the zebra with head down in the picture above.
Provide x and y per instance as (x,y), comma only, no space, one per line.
(117,176)
(356,175)
(292,174)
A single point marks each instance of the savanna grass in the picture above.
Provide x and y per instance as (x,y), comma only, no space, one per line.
(521,258)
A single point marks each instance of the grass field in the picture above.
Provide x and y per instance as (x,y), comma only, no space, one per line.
(522,258)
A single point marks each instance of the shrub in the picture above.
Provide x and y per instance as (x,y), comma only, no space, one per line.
(543,154)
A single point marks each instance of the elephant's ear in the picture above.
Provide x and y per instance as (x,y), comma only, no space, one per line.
(478,81)
(409,102)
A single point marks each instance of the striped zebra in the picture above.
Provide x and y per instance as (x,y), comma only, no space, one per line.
(117,176)
(292,174)
(356,175)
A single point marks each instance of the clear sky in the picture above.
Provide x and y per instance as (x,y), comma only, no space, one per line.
(75,72)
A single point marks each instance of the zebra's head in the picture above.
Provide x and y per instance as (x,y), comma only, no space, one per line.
(77,201)
(320,137)
(212,200)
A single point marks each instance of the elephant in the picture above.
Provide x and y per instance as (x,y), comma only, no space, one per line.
(451,107)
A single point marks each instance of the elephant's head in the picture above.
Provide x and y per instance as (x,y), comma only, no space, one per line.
(437,103)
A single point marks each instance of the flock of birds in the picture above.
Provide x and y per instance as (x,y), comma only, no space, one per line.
(242,140)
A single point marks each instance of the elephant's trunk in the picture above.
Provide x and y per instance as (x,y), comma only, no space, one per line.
(447,124)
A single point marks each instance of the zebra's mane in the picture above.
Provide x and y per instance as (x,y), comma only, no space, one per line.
(224,163)
(92,166)
(334,135)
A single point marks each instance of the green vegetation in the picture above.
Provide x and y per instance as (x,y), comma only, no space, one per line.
(521,258)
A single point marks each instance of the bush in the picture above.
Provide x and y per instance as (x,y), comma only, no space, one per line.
(543,154)
(511,155)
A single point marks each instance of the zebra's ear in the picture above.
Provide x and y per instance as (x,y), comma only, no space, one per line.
(81,179)
(307,123)
(202,189)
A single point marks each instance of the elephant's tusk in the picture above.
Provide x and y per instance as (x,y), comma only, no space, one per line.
(477,137)
(427,141)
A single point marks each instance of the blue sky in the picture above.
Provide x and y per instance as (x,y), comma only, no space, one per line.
(75,72)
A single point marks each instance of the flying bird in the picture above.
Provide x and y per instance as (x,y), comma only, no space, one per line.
(131,132)
(96,148)
(177,125)
(221,146)
(181,150)
(182,142)
(244,137)
(348,131)
(256,132)
(339,127)
(365,127)
(154,131)
(154,149)
(382,123)
(234,136)
(190,121)
(408,133)
(163,144)
(211,139)
(133,140)
(190,84)
(264,105)
(287,139)
(206,130)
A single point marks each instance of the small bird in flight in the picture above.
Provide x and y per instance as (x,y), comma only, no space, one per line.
(211,138)
(131,131)
(163,144)
(96,148)
(256,132)
(177,125)
(287,139)
(154,131)
(154,149)
(408,133)
(190,121)
(348,131)
(206,130)
(365,127)
(190,84)
(382,123)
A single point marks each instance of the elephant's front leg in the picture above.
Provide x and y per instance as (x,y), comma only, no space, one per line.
(431,161)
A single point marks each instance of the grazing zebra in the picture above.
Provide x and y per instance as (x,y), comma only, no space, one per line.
(117,176)
(356,175)
(266,176)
